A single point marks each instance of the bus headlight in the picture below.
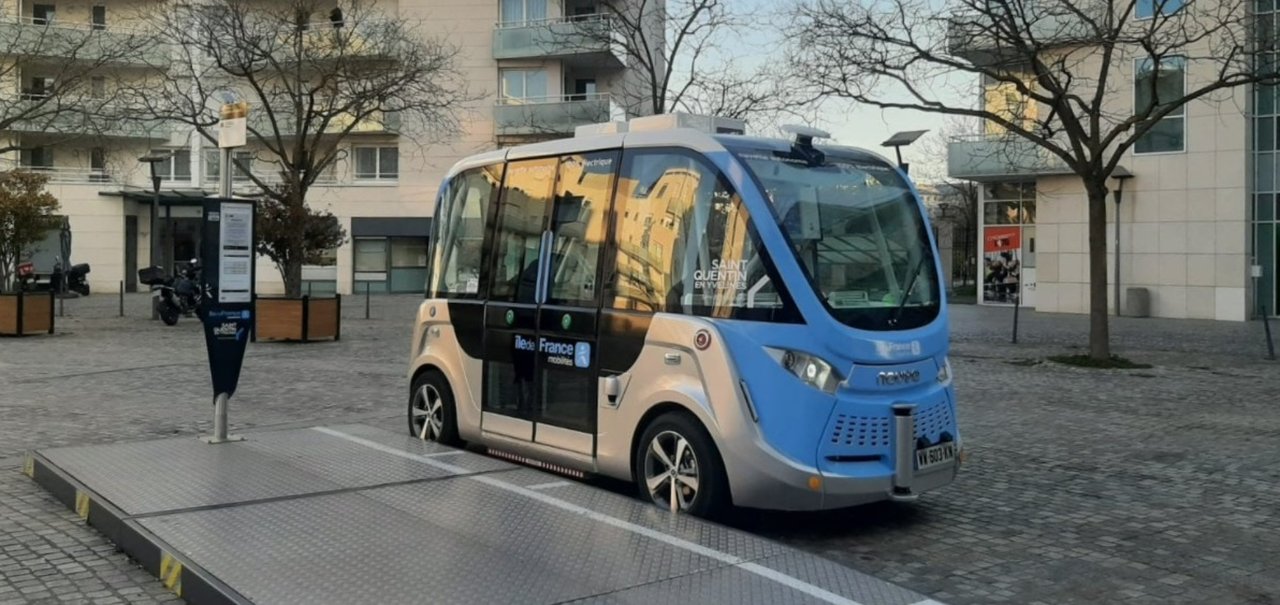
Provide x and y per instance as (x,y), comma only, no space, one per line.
(808,368)
(944,373)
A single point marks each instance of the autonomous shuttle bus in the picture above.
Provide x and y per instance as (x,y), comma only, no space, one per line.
(718,318)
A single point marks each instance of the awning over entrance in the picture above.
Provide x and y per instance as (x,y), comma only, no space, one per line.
(168,197)
(403,226)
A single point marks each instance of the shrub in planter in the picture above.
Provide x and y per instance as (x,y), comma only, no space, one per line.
(26,313)
(303,319)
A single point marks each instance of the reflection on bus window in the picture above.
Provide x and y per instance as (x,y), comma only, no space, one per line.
(521,217)
(686,244)
(578,224)
(464,208)
(855,227)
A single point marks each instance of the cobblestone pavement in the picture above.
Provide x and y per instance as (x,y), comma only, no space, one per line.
(1145,486)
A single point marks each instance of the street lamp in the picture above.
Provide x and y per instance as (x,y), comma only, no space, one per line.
(153,159)
(1120,174)
(900,140)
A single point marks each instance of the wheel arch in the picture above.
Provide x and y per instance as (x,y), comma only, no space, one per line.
(656,411)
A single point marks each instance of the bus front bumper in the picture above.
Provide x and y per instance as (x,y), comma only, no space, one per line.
(774,482)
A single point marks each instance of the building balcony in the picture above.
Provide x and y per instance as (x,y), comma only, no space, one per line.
(376,123)
(972,38)
(94,121)
(66,175)
(37,39)
(585,40)
(1000,157)
(553,116)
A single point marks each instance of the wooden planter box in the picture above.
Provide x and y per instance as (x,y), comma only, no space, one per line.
(303,319)
(26,313)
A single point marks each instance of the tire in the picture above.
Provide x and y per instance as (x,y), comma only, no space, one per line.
(84,289)
(431,398)
(708,495)
(168,313)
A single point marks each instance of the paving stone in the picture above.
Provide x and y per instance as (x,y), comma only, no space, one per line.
(1147,486)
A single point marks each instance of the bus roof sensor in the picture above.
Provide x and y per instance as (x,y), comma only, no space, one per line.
(804,135)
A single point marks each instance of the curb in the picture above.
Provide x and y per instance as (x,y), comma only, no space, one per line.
(176,572)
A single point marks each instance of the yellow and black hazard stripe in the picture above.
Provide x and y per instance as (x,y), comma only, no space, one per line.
(171,573)
(82,505)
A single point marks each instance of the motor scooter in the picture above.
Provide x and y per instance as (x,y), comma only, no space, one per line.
(174,296)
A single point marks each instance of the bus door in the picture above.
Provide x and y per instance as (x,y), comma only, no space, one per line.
(541,369)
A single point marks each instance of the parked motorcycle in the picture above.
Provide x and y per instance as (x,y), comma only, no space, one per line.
(75,278)
(174,296)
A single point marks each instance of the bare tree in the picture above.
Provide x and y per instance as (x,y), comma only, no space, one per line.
(1065,58)
(64,77)
(314,77)
(677,58)
(959,197)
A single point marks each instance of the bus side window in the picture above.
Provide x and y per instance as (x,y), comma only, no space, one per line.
(458,255)
(686,244)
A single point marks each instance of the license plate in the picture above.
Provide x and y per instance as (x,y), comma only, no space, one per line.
(934,456)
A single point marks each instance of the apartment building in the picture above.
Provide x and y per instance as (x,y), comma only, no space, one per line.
(535,78)
(1197,214)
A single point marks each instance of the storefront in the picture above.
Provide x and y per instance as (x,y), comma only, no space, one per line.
(389,254)
(1008,246)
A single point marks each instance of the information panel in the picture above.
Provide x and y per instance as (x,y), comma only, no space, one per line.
(235,250)
(227,252)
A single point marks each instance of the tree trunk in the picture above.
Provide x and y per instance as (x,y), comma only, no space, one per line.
(1099,332)
(291,272)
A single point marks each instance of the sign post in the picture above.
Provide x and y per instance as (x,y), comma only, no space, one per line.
(227,250)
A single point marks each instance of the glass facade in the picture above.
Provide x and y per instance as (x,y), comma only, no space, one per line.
(1265,245)
(1009,243)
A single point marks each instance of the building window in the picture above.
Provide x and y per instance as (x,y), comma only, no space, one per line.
(519,12)
(177,167)
(98,165)
(521,85)
(38,87)
(1147,9)
(37,158)
(377,163)
(99,17)
(42,14)
(371,255)
(1156,86)
(213,165)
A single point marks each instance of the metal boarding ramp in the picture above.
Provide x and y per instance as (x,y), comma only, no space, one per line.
(358,514)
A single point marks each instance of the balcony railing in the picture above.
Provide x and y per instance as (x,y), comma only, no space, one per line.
(592,38)
(553,116)
(1045,24)
(96,119)
(67,175)
(90,42)
(996,157)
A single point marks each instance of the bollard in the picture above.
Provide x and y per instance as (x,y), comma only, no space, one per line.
(366,300)
(1266,327)
(1017,303)
(122,298)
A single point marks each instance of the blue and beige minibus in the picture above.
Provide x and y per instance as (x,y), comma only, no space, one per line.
(718,318)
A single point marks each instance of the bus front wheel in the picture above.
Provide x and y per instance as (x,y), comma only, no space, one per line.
(678,468)
(431,409)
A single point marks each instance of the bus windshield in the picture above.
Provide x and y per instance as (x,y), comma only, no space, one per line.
(854,225)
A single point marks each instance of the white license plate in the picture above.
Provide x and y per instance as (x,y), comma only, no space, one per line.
(936,455)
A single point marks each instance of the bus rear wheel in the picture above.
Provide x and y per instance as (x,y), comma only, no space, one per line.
(431,409)
(678,468)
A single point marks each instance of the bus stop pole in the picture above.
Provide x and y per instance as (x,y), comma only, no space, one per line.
(222,400)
